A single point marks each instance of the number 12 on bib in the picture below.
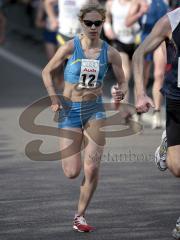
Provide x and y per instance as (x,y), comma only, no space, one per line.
(89,73)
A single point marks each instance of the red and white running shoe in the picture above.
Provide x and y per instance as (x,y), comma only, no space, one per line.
(80,224)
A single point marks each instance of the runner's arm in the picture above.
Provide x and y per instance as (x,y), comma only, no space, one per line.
(62,53)
(108,22)
(115,60)
(137,9)
(49,8)
(160,32)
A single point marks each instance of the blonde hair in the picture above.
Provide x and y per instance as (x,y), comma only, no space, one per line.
(92,7)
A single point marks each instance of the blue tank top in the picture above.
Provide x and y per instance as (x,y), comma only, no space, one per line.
(157,9)
(73,68)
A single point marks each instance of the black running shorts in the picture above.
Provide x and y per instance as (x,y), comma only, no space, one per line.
(173,122)
(126,48)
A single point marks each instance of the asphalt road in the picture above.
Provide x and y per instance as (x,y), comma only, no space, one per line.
(133,200)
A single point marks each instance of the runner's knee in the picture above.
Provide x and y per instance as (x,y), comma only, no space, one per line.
(71,173)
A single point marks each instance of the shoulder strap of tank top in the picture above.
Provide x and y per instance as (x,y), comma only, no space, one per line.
(104,51)
(77,46)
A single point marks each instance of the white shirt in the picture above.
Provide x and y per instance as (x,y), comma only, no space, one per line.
(69,24)
(119,13)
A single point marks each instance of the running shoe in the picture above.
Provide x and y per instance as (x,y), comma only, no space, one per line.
(176,230)
(156,120)
(161,153)
(80,224)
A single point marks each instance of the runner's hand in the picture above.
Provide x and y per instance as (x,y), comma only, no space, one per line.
(143,103)
(117,94)
(55,107)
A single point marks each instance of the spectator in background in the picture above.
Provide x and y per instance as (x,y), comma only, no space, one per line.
(121,37)
(148,12)
(66,23)
(49,36)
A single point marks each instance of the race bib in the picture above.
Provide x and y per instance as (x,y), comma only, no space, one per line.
(89,73)
(125,32)
(179,72)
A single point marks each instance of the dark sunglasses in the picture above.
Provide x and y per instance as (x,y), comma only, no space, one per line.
(89,23)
